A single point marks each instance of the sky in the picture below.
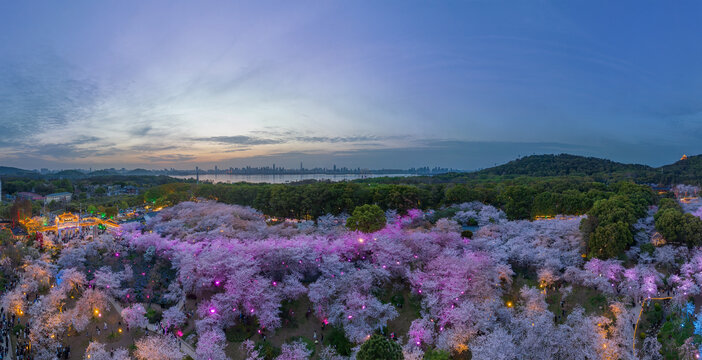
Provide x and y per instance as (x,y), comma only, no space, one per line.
(373,84)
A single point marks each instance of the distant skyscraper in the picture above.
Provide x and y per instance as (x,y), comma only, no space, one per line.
(334,167)
(301,166)
(197,174)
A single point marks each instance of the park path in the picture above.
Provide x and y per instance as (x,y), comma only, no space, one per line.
(10,354)
(184,346)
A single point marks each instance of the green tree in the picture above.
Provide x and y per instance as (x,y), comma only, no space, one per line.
(436,354)
(692,230)
(610,240)
(669,223)
(366,218)
(379,348)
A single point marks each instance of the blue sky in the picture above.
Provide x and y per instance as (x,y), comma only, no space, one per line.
(363,83)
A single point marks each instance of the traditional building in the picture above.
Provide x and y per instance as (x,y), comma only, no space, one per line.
(657,239)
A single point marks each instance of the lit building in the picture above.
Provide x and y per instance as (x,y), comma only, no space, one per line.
(684,157)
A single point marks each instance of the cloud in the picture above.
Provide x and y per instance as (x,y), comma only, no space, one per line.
(41,94)
(168,158)
(338,139)
(240,140)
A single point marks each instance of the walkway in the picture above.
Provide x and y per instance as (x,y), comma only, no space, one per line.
(184,346)
(10,348)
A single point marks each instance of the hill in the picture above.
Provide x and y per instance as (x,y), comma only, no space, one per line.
(682,171)
(68,173)
(12,171)
(565,165)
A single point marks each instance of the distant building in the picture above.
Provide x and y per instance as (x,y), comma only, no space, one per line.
(28,196)
(684,157)
(58,197)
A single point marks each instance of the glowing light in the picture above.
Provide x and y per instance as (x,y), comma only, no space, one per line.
(217,283)
(212,310)
(179,333)
(116,254)
(509,304)
(350,317)
(361,240)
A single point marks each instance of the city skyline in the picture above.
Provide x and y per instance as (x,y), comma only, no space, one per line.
(462,85)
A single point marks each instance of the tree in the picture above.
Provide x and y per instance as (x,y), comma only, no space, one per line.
(97,351)
(610,240)
(173,317)
(669,222)
(135,316)
(379,348)
(366,218)
(158,347)
(294,351)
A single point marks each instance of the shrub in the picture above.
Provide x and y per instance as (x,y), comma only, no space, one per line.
(436,354)
(648,247)
(153,316)
(267,350)
(467,234)
(337,339)
(379,348)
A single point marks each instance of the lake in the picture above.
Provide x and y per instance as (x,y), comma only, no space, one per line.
(281,178)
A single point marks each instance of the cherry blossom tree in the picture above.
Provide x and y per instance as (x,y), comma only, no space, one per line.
(135,316)
(158,347)
(294,351)
(97,351)
(210,345)
(173,317)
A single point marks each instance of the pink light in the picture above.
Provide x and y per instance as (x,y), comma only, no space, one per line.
(350,317)
(217,283)
(179,333)
(326,322)
(143,274)
(275,283)
(116,254)
(363,307)
(212,310)
(252,310)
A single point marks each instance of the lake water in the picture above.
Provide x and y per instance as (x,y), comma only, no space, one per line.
(282,178)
